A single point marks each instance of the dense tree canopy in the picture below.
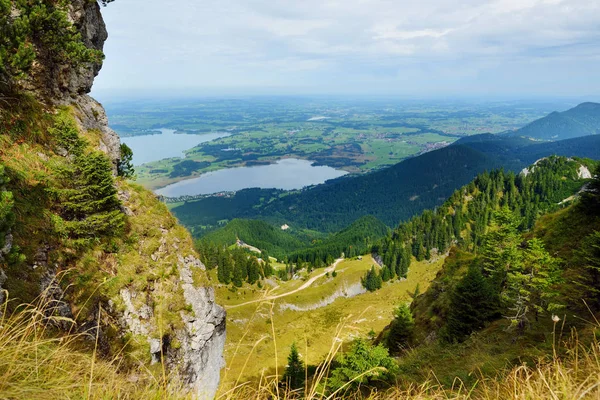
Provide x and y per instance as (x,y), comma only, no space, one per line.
(235,265)
(465,218)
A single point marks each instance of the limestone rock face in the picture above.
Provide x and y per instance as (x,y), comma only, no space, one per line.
(203,339)
(91,116)
(198,359)
(56,83)
(65,84)
(74,85)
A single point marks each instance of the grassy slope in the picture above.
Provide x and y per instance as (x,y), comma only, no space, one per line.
(489,352)
(95,274)
(314,330)
(34,365)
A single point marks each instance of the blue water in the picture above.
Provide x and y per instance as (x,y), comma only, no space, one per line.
(168,144)
(286,174)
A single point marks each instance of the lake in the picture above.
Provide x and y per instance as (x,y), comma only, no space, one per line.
(288,174)
(168,144)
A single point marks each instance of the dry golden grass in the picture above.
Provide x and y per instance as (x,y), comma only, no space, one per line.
(37,363)
(574,375)
(249,327)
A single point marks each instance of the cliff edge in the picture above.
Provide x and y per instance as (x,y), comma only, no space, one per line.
(98,251)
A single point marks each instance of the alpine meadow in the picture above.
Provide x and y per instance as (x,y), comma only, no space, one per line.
(299,200)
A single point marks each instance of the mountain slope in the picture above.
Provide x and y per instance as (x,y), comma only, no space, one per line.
(355,239)
(260,234)
(497,342)
(405,189)
(582,120)
(107,265)
(393,194)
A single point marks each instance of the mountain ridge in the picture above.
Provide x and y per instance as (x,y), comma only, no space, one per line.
(581,120)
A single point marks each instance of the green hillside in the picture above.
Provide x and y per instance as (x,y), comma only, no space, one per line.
(278,243)
(512,258)
(393,194)
(464,218)
(582,120)
(301,246)
(356,239)
(469,323)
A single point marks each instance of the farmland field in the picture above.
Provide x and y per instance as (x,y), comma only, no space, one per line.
(356,136)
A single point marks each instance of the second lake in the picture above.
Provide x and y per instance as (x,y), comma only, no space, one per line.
(288,174)
(168,144)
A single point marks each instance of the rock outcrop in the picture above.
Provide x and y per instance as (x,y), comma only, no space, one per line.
(67,84)
(197,358)
(192,346)
(57,83)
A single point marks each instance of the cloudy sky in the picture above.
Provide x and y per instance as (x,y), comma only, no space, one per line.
(398,47)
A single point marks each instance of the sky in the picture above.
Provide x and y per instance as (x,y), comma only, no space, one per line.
(371,47)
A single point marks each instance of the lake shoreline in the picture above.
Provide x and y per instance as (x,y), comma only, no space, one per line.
(293,174)
(168,144)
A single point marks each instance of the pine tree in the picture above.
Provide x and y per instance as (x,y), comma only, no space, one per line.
(589,257)
(401,330)
(404,264)
(362,364)
(385,274)
(238,275)
(253,271)
(125,165)
(531,285)
(7,217)
(392,267)
(472,304)
(294,375)
(372,280)
(500,248)
(224,268)
(88,199)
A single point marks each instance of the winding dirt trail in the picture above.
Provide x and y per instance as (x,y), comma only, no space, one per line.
(304,286)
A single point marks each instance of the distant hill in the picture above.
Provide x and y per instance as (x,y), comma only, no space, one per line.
(407,188)
(401,191)
(356,239)
(582,120)
(258,234)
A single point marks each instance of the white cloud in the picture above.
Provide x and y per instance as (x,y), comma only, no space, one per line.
(364,43)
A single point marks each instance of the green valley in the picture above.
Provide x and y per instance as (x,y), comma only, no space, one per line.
(354,135)
(403,232)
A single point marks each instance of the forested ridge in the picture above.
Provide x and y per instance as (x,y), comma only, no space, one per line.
(261,234)
(392,195)
(465,217)
(499,294)
(582,120)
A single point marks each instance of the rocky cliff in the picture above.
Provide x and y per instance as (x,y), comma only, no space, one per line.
(143,290)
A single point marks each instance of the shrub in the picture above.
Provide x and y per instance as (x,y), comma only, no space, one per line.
(363,364)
